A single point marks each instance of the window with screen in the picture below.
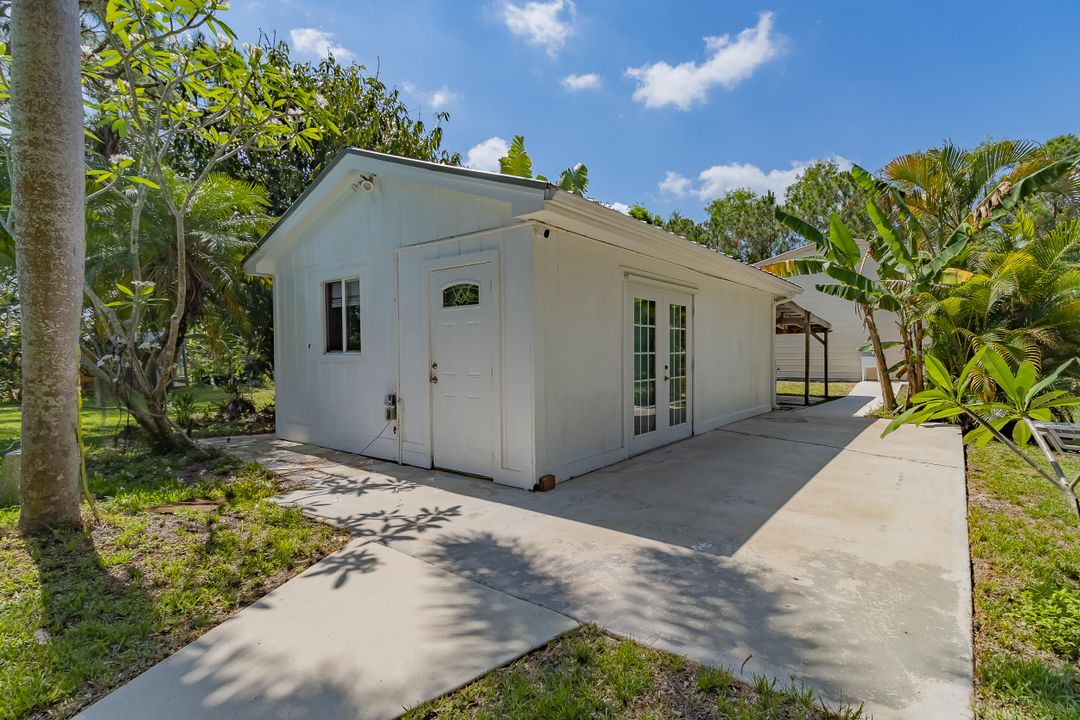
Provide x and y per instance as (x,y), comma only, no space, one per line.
(341,300)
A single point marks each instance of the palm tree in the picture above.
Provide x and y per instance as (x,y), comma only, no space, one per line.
(1021,298)
(918,248)
(226,217)
(945,186)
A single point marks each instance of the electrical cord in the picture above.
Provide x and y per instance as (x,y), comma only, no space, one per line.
(388,422)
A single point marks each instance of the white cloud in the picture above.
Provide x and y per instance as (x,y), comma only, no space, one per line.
(546,24)
(485,155)
(318,44)
(619,207)
(588,81)
(728,64)
(715,181)
(675,184)
(437,100)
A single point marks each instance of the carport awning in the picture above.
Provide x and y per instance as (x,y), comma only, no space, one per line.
(792,319)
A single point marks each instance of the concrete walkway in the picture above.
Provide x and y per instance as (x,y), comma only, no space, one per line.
(797,542)
(362,635)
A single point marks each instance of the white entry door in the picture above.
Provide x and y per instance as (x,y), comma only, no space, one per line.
(464,367)
(659,367)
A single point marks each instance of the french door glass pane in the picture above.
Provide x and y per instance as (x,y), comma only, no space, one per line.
(352,316)
(677,365)
(644,366)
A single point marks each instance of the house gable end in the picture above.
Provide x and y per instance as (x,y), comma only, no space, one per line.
(437,203)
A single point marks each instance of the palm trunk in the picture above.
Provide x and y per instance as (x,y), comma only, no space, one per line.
(48,195)
(887,396)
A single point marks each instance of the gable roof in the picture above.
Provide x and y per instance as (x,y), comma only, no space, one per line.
(534,200)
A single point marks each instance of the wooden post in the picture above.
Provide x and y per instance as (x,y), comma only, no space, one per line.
(825,345)
(806,360)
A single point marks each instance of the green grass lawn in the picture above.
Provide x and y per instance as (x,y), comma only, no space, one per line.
(81,612)
(100,425)
(1025,551)
(589,674)
(817,389)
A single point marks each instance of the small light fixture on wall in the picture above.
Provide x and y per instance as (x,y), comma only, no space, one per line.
(365,183)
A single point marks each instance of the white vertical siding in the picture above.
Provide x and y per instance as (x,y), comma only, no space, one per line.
(338,400)
(581,389)
(562,393)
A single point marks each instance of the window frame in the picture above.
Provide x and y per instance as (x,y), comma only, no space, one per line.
(324,300)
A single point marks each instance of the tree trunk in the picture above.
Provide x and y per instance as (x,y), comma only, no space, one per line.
(909,361)
(150,414)
(887,396)
(920,367)
(48,194)
(167,435)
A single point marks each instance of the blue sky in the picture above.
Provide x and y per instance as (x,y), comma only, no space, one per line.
(673,103)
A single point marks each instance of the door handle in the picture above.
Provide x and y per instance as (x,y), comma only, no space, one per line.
(434,380)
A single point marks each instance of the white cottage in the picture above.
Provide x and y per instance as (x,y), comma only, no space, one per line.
(497,326)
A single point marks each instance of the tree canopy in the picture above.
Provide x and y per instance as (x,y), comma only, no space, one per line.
(367,113)
(742,223)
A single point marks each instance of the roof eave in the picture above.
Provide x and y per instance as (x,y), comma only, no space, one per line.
(675,248)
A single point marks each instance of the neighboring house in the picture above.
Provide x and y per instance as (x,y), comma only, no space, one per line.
(846,361)
(498,326)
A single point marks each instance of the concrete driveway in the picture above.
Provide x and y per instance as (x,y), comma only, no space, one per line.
(795,544)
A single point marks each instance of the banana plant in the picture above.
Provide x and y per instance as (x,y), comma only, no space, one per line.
(917,265)
(840,258)
(517,162)
(913,268)
(574,179)
(1023,400)
(907,267)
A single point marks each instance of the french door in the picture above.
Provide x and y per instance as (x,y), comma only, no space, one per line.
(659,367)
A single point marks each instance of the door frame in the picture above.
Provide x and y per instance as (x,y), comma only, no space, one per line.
(662,285)
(449,263)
